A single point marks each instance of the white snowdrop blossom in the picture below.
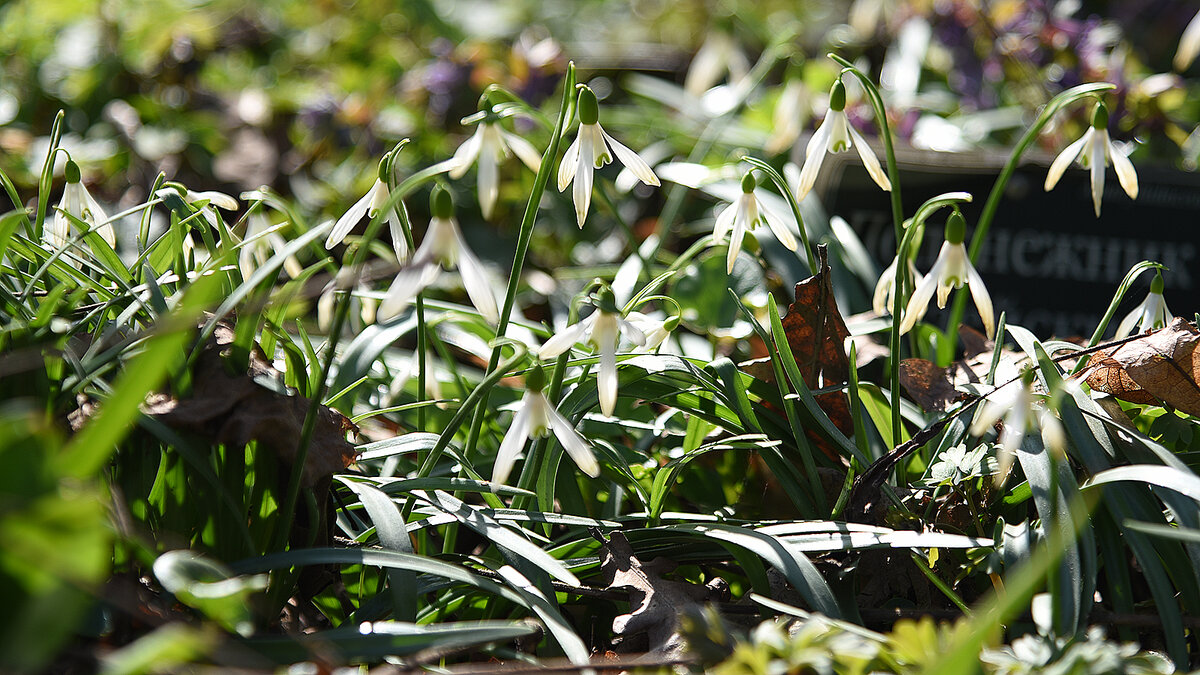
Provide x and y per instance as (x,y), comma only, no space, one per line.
(443,248)
(536,417)
(1152,313)
(1094,150)
(601,329)
(261,242)
(488,147)
(792,113)
(836,134)
(952,269)
(370,203)
(591,151)
(655,330)
(718,56)
(885,291)
(78,203)
(744,214)
(408,369)
(1015,403)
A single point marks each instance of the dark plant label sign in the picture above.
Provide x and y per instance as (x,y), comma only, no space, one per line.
(1048,261)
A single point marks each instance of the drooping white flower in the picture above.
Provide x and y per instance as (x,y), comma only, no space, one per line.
(591,151)
(536,417)
(952,269)
(836,134)
(792,113)
(443,248)
(1094,150)
(79,203)
(1015,403)
(261,242)
(745,214)
(488,147)
(361,304)
(1152,313)
(408,369)
(655,330)
(718,56)
(885,291)
(601,329)
(375,198)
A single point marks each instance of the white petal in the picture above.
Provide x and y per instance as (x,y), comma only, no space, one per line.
(869,160)
(606,379)
(513,443)
(476,282)
(918,303)
(883,290)
(983,301)
(524,150)
(1189,45)
(632,160)
(349,219)
(563,340)
(399,242)
(724,222)
(582,193)
(735,245)
(488,183)
(1064,159)
(570,161)
(410,281)
(812,163)
(577,448)
(217,199)
(778,225)
(1127,324)
(1098,166)
(1125,173)
(467,153)
(632,332)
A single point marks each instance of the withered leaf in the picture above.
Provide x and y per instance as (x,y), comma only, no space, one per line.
(927,385)
(1163,364)
(234,409)
(656,603)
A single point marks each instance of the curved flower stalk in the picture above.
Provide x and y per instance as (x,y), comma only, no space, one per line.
(591,151)
(536,417)
(951,270)
(884,297)
(78,203)
(601,329)
(745,214)
(1094,150)
(488,147)
(370,203)
(836,134)
(443,248)
(1152,313)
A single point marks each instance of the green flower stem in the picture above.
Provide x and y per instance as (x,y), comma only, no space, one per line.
(885,134)
(790,198)
(526,232)
(606,198)
(419,303)
(948,347)
(46,182)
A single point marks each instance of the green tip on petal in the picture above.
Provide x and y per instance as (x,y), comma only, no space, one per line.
(606,301)
(72,172)
(1156,285)
(748,182)
(441,204)
(837,96)
(535,379)
(1100,116)
(589,108)
(956,228)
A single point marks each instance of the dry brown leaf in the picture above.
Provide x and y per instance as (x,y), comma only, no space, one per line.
(656,603)
(235,409)
(927,385)
(1162,365)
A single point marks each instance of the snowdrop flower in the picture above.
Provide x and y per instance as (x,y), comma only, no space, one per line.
(885,291)
(1151,314)
(792,112)
(408,369)
(718,56)
(1093,149)
(655,330)
(258,247)
(1015,404)
(837,135)
(537,418)
(952,269)
(442,248)
(361,305)
(489,146)
(745,214)
(78,202)
(590,151)
(602,329)
(376,198)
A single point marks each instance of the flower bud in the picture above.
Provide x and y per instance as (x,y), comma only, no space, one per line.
(1100,116)
(748,183)
(441,204)
(1156,285)
(72,172)
(535,379)
(606,301)
(956,228)
(837,96)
